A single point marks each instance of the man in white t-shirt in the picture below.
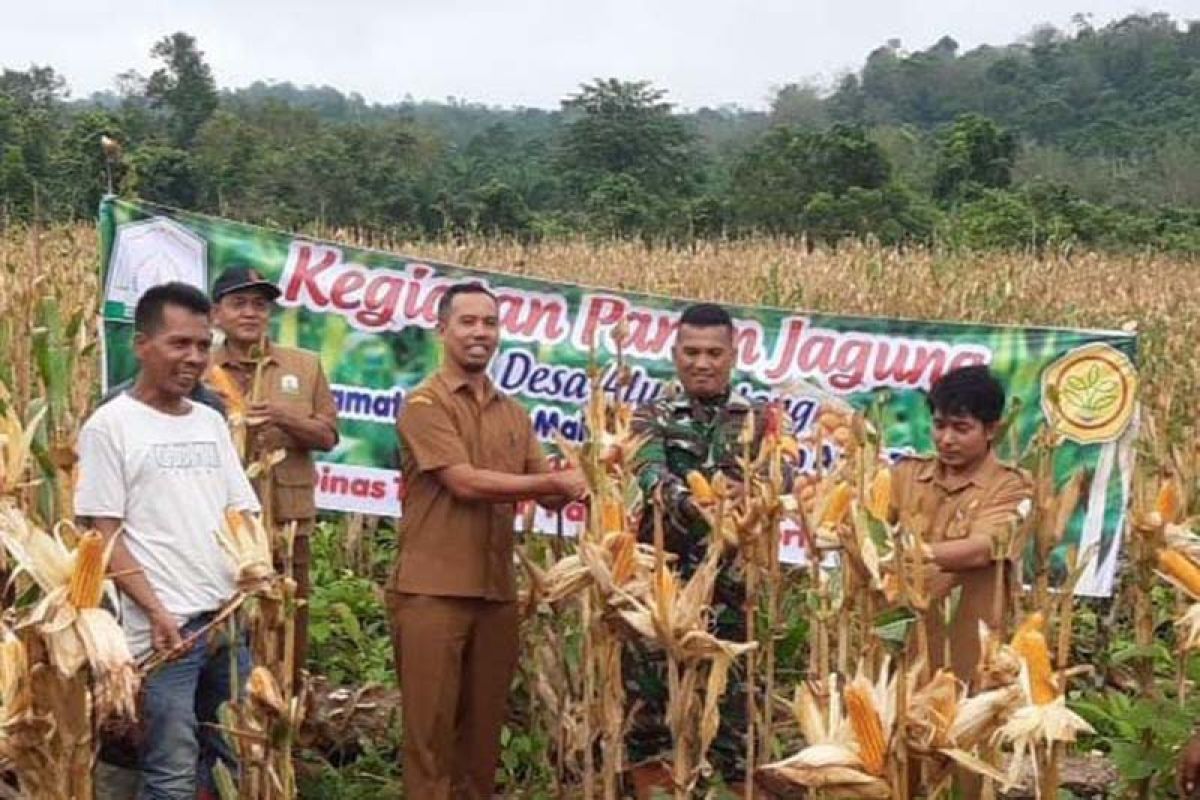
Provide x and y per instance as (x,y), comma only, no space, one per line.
(164,468)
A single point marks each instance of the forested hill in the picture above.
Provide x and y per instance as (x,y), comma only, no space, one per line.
(1089,136)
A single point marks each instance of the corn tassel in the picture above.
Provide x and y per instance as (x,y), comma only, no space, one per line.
(1030,644)
(867,726)
(1182,569)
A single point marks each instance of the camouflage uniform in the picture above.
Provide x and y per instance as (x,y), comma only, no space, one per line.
(689,434)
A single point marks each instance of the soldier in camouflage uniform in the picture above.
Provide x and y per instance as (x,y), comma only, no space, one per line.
(697,428)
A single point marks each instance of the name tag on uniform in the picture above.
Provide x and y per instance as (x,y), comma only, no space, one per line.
(289,384)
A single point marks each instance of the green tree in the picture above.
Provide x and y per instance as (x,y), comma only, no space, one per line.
(622,142)
(620,206)
(183,85)
(974,153)
(776,178)
(82,173)
(501,210)
(164,174)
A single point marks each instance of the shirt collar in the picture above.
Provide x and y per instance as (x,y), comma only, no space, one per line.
(932,471)
(457,383)
(728,399)
(224,356)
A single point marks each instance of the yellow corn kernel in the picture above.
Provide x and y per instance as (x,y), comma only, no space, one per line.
(665,589)
(1182,569)
(880,504)
(1030,643)
(867,727)
(622,558)
(701,489)
(838,505)
(612,516)
(1169,503)
(87,578)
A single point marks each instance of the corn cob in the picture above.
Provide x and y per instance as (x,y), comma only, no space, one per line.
(1178,566)
(701,489)
(1030,644)
(623,558)
(837,506)
(14,672)
(665,589)
(1169,503)
(612,516)
(867,727)
(880,504)
(264,691)
(943,703)
(87,579)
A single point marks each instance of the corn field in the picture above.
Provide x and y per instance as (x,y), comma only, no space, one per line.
(855,712)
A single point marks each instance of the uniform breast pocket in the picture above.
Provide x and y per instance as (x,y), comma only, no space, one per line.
(958,526)
(291,391)
(504,450)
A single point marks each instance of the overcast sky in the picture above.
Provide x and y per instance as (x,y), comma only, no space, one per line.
(519,52)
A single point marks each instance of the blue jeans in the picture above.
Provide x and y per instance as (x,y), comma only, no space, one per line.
(179,745)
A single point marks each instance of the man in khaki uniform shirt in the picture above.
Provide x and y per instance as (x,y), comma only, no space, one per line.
(965,500)
(468,453)
(294,410)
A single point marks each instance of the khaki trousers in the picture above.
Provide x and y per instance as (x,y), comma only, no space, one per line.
(456,657)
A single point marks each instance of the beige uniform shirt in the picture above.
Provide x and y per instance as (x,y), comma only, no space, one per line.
(453,547)
(293,378)
(983,506)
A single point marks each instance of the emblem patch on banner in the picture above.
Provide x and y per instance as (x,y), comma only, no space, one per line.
(149,253)
(1089,394)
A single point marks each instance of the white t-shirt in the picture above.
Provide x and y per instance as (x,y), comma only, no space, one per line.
(169,479)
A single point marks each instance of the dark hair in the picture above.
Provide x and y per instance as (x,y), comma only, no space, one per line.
(446,301)
(148,316)
(968,391)
(706,315)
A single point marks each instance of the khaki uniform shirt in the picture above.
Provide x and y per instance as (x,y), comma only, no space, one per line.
(293,378)
(946,507)
(452,547)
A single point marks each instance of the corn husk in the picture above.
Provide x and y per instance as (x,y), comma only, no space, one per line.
(1189,628)
(115,679)
(248,544)
(16,441)
(42,557)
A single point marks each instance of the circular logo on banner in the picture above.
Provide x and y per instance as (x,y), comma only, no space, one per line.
(1089,394)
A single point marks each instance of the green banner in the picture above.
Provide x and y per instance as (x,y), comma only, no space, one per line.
(371,315)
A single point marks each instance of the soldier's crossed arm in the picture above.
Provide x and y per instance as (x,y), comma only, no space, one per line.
(652,471)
